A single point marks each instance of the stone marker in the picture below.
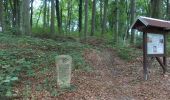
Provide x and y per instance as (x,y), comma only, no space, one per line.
(0,29)
(63,68)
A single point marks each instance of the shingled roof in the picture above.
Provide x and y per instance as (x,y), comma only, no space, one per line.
(147,24)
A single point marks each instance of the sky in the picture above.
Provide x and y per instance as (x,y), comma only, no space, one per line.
(36,4)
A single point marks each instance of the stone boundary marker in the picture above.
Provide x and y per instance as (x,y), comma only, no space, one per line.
(63,69)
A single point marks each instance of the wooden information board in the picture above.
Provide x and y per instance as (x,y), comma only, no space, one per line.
(154,41)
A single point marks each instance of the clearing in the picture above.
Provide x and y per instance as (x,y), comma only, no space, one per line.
(99,73)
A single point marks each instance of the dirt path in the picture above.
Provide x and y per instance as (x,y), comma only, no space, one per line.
(114,79)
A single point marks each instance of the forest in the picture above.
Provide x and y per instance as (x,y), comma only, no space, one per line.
(106,53)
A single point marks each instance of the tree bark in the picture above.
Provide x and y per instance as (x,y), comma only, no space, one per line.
(156,8)
(69,15)
(132,13)
(31,20)
(58,16)
(52,17)
(45,14)
(93,18)
(168,9)
(117,22)
(1,16)
(48,15)
(80,15)
(101,12)
(86,19)
(26,17)
(104,17)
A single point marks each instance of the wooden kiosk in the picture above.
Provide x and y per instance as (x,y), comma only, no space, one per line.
(154,40)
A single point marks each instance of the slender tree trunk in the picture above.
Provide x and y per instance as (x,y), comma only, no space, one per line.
(61,19)
(132,13)
(58,15)
(168,9)
(69,15)
(52,17)
(80,16)
(48,15)
(26,17)
(16,14)
(156,8)
(1,16)
(117,22)
(86,19)
(101,12)
(104,17)
(93,18)
(39,15)
(45,14)
(31,13)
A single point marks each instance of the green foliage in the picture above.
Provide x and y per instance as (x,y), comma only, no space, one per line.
(127,53)
(21,56)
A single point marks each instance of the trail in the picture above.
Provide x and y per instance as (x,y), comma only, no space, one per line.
(115,79)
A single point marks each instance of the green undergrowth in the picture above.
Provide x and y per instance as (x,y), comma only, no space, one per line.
(128,53)
(23,55)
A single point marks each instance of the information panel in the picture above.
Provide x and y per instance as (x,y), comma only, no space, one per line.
(155,43)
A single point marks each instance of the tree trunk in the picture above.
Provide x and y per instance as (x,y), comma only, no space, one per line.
(86,19)
(117,22)
(69,15)
(93,18)
(58,15)
(26,17)
(31,13)
(39,15)
(168,9)
(80,16)
(52,17)
(132,13)
(1,16)
(45,14)
(48,15)
(104,17)
(16,16)
(101,12)
(156,8)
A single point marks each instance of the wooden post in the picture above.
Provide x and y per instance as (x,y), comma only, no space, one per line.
(145,72)
(164,57)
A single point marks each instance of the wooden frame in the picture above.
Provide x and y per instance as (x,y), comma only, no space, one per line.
(157,26)
(163,63)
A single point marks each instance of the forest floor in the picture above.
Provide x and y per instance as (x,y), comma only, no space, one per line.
(110,77)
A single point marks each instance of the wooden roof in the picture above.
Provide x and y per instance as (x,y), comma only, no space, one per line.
(147,24)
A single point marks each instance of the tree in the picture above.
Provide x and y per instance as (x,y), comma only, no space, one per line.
(93,18)
(104,17)
(45,14)
(25,17)
(31,12)
(58,15)
(156,8)
(80,16)
(69,14)
(101,12)
(52,17)
(168,9)
(132,18)
(1,15)
(86,19)
(117,22)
